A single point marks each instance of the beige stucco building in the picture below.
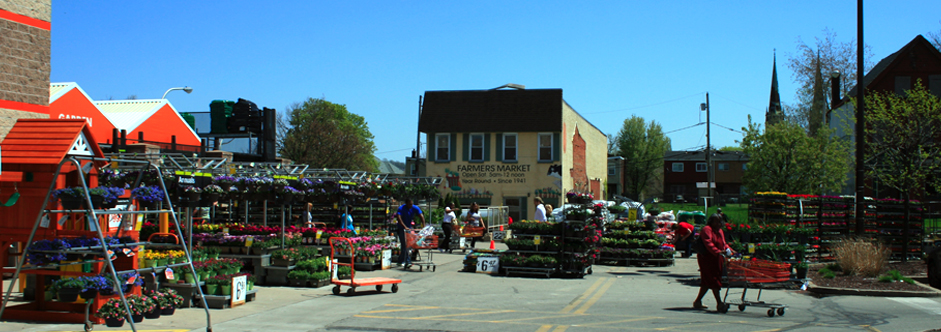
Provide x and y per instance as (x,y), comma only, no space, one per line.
(503,147)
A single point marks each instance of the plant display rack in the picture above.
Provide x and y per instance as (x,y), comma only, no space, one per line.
(87,222)
(901,237)
(628,243)
(566,248)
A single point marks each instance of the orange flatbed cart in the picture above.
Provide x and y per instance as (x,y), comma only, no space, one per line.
(352,283)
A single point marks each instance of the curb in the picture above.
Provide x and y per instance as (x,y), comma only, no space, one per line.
(929,291)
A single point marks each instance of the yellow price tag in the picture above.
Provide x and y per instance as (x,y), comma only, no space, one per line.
(751,248)
(249,240)
(319,233)
(632,214)
(225,230)
(537,239)
(335,206)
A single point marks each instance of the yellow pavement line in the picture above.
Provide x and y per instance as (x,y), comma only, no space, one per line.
(533,318)
(870,328)
(596,297)
(466,314)
(561,328)
(417,306)
(580,298)
(620,321)
(395,310)
(544,328)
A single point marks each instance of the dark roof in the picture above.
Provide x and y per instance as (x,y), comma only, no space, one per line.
(701,155)
(884,64)
(491,111)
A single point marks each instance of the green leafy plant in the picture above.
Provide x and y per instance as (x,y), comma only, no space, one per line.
(895,276)
(299,274)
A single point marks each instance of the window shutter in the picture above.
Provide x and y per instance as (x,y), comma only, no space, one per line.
(487,147)
(432,154)
(453,151)
(556,147)
(500,147)
(466,147)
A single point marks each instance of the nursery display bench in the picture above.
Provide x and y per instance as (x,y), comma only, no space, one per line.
(353,283)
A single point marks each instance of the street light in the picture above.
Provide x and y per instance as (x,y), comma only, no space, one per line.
(185,88)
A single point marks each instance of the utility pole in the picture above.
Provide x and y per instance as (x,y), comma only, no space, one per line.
(705,107)
(860,124)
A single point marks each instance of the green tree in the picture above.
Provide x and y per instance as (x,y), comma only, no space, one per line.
(325,135)
(784,158)
(831,55)
(903,151)
(643,146)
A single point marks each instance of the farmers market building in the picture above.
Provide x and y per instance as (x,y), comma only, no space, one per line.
(507,146)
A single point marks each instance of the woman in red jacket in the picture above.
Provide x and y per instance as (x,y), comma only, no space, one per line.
(710,261)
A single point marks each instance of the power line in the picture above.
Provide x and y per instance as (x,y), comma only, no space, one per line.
(650,105)
(684,128)
(730,129)
(395,150)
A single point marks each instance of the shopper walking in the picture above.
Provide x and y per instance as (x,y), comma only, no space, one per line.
(711,260)
(405,218)
(540,209)
(446,226)
(682,236)
(474,220)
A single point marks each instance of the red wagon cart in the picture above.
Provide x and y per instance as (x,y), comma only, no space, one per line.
(352,283)
(755,273)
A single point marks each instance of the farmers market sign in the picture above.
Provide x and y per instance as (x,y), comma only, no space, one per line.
(499,174)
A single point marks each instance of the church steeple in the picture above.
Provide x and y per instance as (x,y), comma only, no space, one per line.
(774,113)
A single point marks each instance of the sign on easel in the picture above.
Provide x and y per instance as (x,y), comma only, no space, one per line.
(239,290)
(489,265)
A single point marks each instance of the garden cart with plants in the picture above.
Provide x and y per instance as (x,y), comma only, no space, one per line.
(458,242)
(755,273)
(422,240)
(353,283)
(469,232)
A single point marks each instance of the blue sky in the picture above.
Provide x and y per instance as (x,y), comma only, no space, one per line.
(613,59)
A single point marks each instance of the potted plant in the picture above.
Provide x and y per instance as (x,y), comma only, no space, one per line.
(801,268)
(113,312)
(139,307)
(213,284)
(173,301)
(69,288)
(111,196)
(192,193)
(93,285)
(284,257)
(298,278)
(211,194)
(148,196)
(159,302)
(224,181)
(72,198)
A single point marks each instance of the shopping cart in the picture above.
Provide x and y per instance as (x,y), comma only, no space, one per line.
(755,273)
(352,282)
(422,240)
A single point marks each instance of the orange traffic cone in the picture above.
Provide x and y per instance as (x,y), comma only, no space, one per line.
(491,245)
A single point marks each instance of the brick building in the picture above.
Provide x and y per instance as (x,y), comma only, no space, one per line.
(25,49)
(684,175)
(502,147)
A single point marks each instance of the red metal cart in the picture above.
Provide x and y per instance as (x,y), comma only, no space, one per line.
(352,283)
(755,273)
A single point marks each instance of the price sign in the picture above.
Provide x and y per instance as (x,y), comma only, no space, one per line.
(249,240)
(537,240)
(45,222)
(127,252)
(168,273)
(239,290)
(498,235)
(319,233)
(751,248)
(631,214)
(489,265)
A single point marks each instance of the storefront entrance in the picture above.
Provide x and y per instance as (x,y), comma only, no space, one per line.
(517,206)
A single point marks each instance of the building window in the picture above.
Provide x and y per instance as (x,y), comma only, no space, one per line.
(744,166)
(545,147)
(723,166)
(700,167)
(678,167)
(509,147)
(413,170)
(934,85)
(610,170)
(442,147)
(902,84)
(476,147)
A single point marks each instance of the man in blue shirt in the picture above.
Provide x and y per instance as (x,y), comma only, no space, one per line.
(406,222)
